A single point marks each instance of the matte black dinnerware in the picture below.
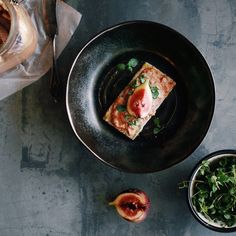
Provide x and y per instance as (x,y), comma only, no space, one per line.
(185,115)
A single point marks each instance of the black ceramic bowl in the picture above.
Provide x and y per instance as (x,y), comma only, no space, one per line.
(185,115)
(214,159)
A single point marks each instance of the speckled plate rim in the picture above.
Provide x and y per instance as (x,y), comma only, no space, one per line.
(121,24)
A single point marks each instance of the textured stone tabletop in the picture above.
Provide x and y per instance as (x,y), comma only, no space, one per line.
(51,185)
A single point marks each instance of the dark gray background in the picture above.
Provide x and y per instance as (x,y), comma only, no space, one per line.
(49,182)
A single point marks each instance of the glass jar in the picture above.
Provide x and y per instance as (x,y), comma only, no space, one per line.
(22,36)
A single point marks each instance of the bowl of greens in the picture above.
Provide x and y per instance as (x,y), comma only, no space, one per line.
(212,191)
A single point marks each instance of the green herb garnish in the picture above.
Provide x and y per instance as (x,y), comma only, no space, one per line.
(130,92)
(157,126)
(134,84)
(132,122)
(155,92)
(156,122)
(133,62)
(130,68)
(214,193)
(127,116)
(183,184)
(121,108)
(156,130)
(121,67)
(142,79)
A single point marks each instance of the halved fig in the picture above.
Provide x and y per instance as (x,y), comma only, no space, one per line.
(140,102)
(133,205)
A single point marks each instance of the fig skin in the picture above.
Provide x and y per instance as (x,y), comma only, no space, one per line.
(133,205)
(140,102)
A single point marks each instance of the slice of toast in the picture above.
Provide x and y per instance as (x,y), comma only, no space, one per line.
(117,114)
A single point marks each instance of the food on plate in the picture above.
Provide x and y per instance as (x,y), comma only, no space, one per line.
(139,100)
(133,205)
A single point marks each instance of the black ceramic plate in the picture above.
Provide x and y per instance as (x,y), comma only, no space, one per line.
(185,115)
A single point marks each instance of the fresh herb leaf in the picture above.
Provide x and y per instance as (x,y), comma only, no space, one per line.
(183,184)
(142,76)
(121,67)
(227,216)
(155,92)
(132,122)
(223,163)
(130,68)
(127,116)
(133,62)
(130,92)
(157,126)
(156,130)
(142,79)
(121,108)
(215,191)
(133,84)
(156,122)
(204,167)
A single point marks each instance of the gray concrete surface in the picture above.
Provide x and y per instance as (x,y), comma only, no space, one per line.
(50,185)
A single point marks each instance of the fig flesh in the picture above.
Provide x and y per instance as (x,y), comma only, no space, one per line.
(133,205)
(140,102)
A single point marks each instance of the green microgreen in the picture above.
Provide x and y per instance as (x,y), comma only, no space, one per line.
(127,116)
(132,63)
(183,184)
(130,92)
(121,67)
(157,125)
(156,130)
(130,68)
(121,108)
(132,122)
(214,193)
(155,92)
(134,84)
(142,79)
(156,122)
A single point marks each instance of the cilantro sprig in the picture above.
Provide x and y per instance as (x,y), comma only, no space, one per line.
(215,191)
